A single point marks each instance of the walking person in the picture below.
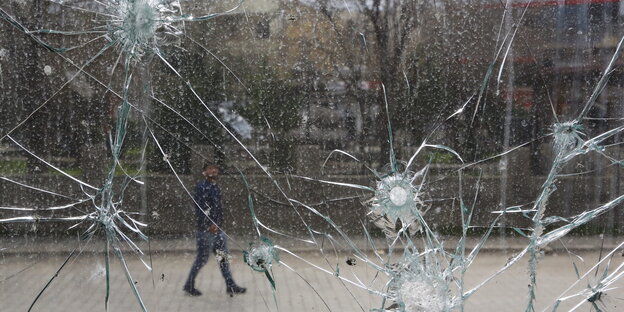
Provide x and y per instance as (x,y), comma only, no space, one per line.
(210,236)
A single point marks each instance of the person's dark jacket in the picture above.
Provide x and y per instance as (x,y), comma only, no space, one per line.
(208,200)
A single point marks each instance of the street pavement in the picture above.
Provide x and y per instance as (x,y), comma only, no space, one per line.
(80,286)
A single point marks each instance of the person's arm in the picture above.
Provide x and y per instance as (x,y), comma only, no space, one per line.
(200,207)
(216,211)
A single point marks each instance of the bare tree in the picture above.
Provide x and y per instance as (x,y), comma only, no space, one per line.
(387,30)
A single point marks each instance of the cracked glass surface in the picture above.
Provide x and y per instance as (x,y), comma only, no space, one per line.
(375,155)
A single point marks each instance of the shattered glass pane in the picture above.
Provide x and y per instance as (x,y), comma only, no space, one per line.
(339,155)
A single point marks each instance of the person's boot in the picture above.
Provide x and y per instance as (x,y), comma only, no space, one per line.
(231,290)
(192,291)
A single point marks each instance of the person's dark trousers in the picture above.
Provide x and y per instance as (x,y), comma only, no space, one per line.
(210,242)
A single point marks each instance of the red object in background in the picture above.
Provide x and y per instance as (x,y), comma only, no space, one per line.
(370,85)
(522,97)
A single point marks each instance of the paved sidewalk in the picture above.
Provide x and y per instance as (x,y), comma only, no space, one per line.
(81,284)
(37,245)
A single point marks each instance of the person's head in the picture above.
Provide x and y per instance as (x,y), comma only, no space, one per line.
(210,171)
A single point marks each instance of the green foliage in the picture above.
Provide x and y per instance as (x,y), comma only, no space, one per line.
(13,167)
(439,157)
